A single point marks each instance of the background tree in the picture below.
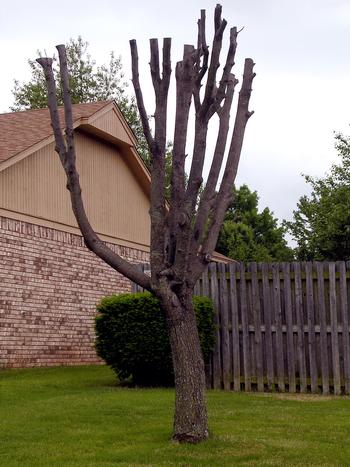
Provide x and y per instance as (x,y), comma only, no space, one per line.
(249,235)
(182,237)
(321,224)
(88,82)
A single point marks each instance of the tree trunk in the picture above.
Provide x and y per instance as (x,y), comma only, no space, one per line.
(190,419)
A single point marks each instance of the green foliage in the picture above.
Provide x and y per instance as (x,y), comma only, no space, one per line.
(249,235)
(132,337)
(88,82)
(321,224)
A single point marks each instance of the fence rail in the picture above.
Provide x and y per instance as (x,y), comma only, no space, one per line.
(280,326)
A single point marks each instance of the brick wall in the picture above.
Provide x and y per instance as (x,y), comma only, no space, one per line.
(49,286)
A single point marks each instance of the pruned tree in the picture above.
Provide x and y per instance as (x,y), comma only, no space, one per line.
(185,231)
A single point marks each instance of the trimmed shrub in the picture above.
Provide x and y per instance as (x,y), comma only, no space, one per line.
(132,338)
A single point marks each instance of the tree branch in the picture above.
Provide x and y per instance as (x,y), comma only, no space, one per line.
(209,192)
(154,64)
(157,144)
(184,85)
(161,88)
(67,157)
(139,96)
(225,192)
(209,95)
(202,50)
(203,116)
(230,61)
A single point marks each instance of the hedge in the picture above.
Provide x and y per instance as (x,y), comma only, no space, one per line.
(132,338)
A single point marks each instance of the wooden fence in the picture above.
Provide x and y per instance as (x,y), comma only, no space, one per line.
(280,326)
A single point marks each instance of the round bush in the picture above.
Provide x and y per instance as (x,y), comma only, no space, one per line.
(132,338)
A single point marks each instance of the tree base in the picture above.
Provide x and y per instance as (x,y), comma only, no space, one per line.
(190,438)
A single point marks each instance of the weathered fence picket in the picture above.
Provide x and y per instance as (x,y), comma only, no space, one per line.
(334,326)
(298,294)
(323,327)
(214,295)
(311,324)
(279,333)
(236,353)
(289,325)
(224,327)
(344,313)
(245,329)
(257,326)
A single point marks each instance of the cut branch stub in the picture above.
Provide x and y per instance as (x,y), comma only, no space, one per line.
(154,63)
(202,50)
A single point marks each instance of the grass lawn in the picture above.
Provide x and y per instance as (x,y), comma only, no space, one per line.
(77,416)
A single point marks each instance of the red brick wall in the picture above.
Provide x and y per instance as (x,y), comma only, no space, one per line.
(49,286)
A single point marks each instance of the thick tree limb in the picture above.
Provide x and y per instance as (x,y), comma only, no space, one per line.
(202,118)
(230,61)
(161,88)
(220,26)
(209,192)
(203,47)
(154,64)
(225,193)
(201,69)
(204,113)
(67,157)
(166,73)
(139,96)
(158,210)
(184,84)
(158,146)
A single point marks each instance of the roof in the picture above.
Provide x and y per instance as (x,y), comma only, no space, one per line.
(21,130)
(220,258)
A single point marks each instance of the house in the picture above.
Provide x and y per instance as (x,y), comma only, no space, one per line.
(50,282)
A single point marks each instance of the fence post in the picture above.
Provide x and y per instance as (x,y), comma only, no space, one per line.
(298,289)
(214,294)
(267,322)
(344,311)
(245,329)
(255,300)
(323,328)
(236,366)
(334,326)
(278,316)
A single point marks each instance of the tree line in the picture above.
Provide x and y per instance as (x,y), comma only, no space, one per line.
(321,221)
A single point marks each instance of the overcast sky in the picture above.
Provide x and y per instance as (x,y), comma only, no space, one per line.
(301,93)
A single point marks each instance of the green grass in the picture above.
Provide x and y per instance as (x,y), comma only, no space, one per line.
(77,416)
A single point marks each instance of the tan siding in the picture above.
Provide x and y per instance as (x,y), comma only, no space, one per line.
(111,124)
(115,202)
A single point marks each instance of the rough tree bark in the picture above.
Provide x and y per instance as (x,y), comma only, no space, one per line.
(183,235)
